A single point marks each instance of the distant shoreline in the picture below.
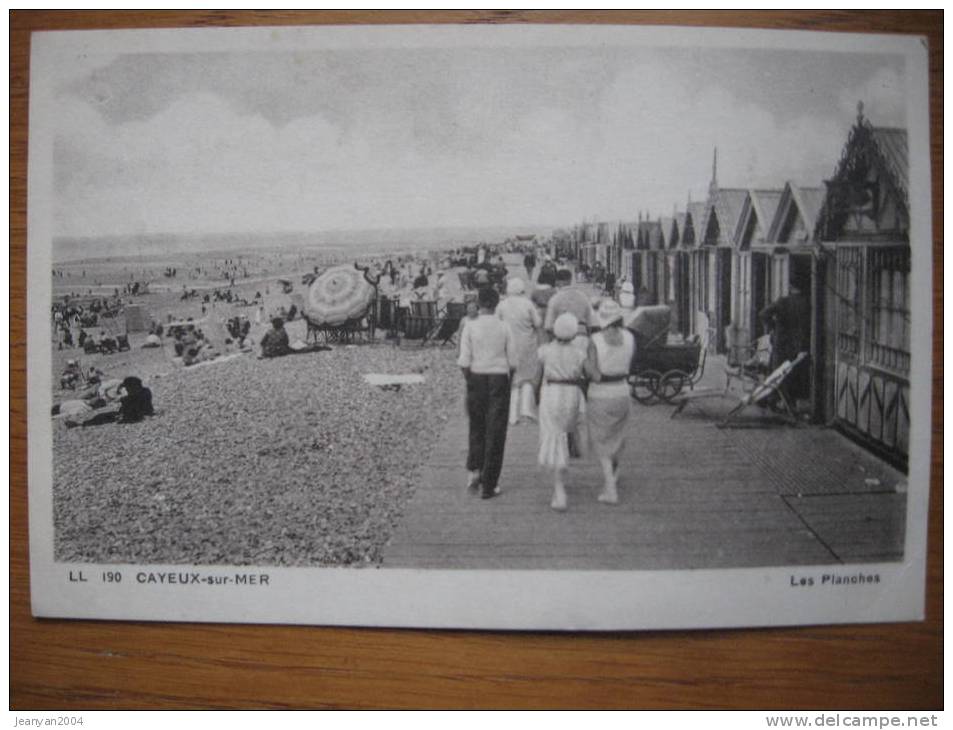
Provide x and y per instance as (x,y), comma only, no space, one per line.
(73,250)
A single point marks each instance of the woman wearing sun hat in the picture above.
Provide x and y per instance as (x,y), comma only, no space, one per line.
(610,353)
(562,405)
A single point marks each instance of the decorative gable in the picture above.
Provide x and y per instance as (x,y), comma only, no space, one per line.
(867,199)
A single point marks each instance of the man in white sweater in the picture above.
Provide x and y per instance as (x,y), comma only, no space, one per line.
(487,358)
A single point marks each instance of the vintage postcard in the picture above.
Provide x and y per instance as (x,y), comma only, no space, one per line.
(514,327)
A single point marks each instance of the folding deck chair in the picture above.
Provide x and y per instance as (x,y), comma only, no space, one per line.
(756,397)
(448,322)
(419,321)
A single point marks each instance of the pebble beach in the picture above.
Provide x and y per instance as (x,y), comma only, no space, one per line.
(290,461)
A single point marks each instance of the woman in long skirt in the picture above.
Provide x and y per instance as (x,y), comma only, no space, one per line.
(523,319)
(608,407)
(562,405)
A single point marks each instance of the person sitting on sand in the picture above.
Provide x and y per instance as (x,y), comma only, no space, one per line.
(135,405)
(275,342)
(72,375)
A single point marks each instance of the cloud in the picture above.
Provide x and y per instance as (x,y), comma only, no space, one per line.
(883,96)
(473,151)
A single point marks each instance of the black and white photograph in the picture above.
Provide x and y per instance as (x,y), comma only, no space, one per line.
(481,327)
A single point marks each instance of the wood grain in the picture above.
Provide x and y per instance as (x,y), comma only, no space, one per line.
(74,664)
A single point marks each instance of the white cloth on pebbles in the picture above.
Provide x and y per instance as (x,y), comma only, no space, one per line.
(74,408)
(385,379)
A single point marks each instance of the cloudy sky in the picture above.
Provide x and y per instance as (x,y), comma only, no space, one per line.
(347,139)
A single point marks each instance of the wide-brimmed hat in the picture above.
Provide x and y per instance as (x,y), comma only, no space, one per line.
(515,286)
(609,312)
(566,326)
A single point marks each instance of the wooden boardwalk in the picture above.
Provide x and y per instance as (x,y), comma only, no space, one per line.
(692,496)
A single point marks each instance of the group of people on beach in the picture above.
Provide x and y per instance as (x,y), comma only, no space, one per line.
(555,359)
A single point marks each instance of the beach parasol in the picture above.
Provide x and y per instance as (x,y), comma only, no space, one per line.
(337,295)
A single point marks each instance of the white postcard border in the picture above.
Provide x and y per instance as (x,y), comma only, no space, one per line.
(596,600)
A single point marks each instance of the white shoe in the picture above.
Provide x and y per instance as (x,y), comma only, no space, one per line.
(607,496)
(473,481)
(609,493)
(559,502)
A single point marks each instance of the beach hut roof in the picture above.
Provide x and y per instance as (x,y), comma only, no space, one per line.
(678,228)
(666,224)
(765,204)
(728,203)
(757,213)
(697,220)
(892,144)
(874,166)
(797,209)
(650,235)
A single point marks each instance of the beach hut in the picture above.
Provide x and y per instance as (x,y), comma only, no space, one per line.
(696,222)
(864,233)
(625,242)
(648,245)
(679,263)
(751,289)
(724,209)
(666,282)
(791,247)
(791,236)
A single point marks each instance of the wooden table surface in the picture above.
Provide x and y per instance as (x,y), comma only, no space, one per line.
(84,664)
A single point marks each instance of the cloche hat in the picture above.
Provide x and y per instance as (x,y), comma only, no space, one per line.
(566,326)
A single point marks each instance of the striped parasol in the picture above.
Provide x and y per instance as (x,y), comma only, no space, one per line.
(337,295)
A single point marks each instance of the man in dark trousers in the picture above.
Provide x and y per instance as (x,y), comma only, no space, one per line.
(788,319)
(487,358)
(529,262)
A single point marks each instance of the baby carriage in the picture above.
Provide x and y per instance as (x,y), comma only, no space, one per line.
(661,369)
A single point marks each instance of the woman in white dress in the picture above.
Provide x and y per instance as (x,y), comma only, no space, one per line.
(562,405)
(524,322)
(608,408)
